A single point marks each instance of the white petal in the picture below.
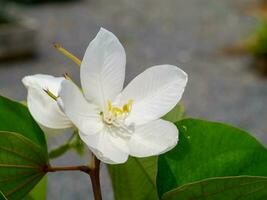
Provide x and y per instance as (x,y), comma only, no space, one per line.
(153,138)
(42,107)
(103,68)
(154,93)
(85,116)
(103,146)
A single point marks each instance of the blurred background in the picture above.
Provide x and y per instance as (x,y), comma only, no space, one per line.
(220,44)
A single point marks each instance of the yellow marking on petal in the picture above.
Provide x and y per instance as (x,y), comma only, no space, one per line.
(68,54)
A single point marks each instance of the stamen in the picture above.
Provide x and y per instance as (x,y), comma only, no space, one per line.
(116,111)
(68,54)
(47,91)
(115,118)
(128,107)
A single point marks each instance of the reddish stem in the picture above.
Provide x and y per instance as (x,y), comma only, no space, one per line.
(93,172)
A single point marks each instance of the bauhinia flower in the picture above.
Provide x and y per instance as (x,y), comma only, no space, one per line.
(42,107)
(116,122)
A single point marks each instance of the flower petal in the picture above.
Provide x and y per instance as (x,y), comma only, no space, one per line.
(85,116)
(103,68)
(153,138)
(102,145)
(42,107)
(154,93)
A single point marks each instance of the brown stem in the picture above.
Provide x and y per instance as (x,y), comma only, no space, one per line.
(93,172)
(82,168)
(95,179)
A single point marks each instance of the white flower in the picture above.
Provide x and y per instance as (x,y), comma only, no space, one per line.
(42,107)
(116,122)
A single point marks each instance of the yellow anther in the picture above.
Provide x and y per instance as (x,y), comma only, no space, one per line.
(47,91)
(67,53)
(116,111)
(127,107)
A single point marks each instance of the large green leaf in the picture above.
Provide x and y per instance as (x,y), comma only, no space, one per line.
(15,117)
(209,149)
(2,196)
(135,180)
(39,191)
(21,164)
(236,187)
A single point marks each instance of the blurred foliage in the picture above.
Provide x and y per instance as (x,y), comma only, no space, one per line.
(4,7)
(3,12)
(258,41)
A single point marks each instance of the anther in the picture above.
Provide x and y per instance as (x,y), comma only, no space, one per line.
(67,77)
(47,91)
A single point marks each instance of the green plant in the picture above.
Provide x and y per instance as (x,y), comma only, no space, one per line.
(258,42)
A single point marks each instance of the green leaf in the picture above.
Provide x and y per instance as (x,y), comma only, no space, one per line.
(39,191)
(59,151)
(78,145)
(2,196)
(230,188)
(21,164)
(135,180)
(176,114)
(73,143)
(209,149)
(15,117)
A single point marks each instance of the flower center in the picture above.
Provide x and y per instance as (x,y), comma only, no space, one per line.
(115,114)
(115,117)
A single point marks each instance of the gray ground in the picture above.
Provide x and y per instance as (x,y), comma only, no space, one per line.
(188,33)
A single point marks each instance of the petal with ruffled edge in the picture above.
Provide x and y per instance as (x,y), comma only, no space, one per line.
(154,93)
(103,69)
(153,138)
(107,148)
(85,116)
(42,107)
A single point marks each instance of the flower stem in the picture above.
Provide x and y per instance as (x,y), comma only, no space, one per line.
(93,171)
(82,168)
(95,178)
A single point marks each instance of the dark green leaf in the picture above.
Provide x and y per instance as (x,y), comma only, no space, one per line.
(209,149)
(2,196)
(135,180)
(230,188)
(21,164)
(15,117)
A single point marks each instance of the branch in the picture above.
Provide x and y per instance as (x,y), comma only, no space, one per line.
(81,168)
